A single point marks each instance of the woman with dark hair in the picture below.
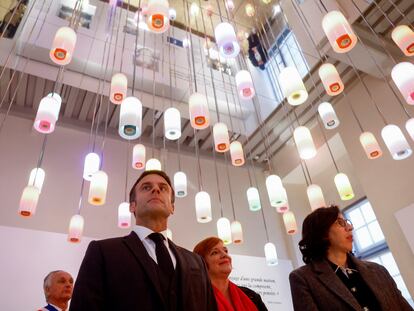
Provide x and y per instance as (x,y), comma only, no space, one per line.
(333,279)
(229,296)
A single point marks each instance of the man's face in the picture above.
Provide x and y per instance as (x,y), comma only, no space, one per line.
(60,288)
(152,198)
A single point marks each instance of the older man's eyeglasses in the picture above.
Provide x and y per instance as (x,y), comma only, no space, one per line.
(343,222)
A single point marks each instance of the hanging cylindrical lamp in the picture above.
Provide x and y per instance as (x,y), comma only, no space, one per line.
(339,32)
(194,9)
(221,137)
(292,86)
(409,126)
(224,230)
(403,36)
(130,118)
(91,165)
(119,88)
(203,207)
(244,84)
(75,229)
(370,144)
(97,188)
(28,201)
(249,9)
(270,254)
(290,222)
(403,76)
(236,232)
(327,113)
(138,157)
(273,184)
(199,113)
(47,113)
(236,153)
(124,215)
(331,80)
(226,40)
(158,15)
(229,5)
(37,177)
(172,124)
(180,184)
(396,143)
(63,46)
(304,142)
(153,165)
(315,196)
(344,187)
(253,199)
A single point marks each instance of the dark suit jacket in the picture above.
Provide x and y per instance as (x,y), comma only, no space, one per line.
(316,287)
(255,298)
(118,274)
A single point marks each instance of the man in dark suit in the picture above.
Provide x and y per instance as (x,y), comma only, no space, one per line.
(57,286)
(144,270)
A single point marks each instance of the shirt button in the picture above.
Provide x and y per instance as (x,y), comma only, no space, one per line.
(353,289)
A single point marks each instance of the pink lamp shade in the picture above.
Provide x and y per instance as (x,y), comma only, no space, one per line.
(244,84)
(339,32)
(119,87)
(331,80)
(226,40)
(47,113)
(124,215)
(28,201)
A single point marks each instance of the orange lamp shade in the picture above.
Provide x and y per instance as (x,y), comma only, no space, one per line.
(339,32)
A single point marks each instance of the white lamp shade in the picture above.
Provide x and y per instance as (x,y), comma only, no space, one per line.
(47,113)
(292,86)
(315,196)
(304,142)
(98,188)
(273,185)
(290,222)
(138,157)
(344,187)
(158,16)
(119,87)
(180,184)
(221,137)
(153,165)
(370,145)
(403,36)
(270,254)
(331,80)
(244,84)
(249,9)
(236,232)
(199,113)
(130,118)
(403,76)
(28,201)
(226,40)
(281,199)
(63,46)
(203,207)
(409,126)
(75,228)
(172,13)
(91,165)
(169,234)
(230,5)
(124,215)
(396,143)
(194,9)
(253,199)
(224,230)
(328,115)
(172,124)
(236,153)
(339,32)
(37,177)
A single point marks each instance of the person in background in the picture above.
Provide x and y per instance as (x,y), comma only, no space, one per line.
(229,296)
(333,279)
(12,19)
(57,286)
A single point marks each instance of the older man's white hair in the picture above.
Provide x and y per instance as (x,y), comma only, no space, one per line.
(47,282)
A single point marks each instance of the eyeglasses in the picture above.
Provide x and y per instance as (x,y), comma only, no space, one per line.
(343,222)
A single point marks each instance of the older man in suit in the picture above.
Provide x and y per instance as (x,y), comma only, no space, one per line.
(144,270)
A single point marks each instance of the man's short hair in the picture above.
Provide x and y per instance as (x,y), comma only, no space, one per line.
(47,282)
(151,172)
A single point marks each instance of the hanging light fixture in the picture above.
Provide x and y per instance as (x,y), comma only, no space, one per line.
(194,9)
(124,215)
(290,222)
(344,187)
(203,207)
(370,145)
(209,10)
(28,201)
(130,118)
(158,16)
(199,113)
(180,184)
(138,157)
(229,5)
(236,232)
(331,80)
(315,196)
(98,188)
(221,137)
(91,165)
(328,115)
(249,9)
(403,36)
(304,142)
(409,126)
(63,46)
(153,165)
(292,86)
(236,153)
(396,143)
(172,124)
(339,32)
(254,199)
(226,40)
(403,76)
(244,84)
(172,13)
(119,87)
(47,113)
(224,230)
(37,177)
(277,193)
(75,229)
(270,254)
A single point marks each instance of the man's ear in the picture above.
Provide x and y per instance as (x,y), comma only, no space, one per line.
(173,208)
(132,207)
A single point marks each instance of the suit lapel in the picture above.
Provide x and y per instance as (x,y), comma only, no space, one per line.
(182,269)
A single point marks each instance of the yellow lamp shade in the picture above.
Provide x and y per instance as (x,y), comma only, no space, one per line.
(344,187)
(292,86)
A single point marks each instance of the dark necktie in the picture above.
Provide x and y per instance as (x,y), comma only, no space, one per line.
(163,256)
